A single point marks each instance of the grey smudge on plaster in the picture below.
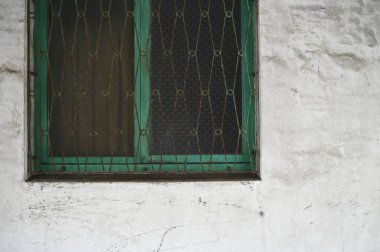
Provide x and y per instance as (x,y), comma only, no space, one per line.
(7,69)
(370,37)
(203,202)
(277,59)
(44,208)
(354,21)
(361,2)
(308,8)
(366,77)
(308,207)
(320,11)
(301,55)
(244,182)
(347,60)
(248,184)
(239,207)
(294,90)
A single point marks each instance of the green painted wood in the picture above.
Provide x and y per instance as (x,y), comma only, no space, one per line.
(137,95)
(142,51)
(40,82)
(202,158)
(43,78)
(248,75)
(36,85)
(251,126)
(120,167)
(154,158)
(253,70)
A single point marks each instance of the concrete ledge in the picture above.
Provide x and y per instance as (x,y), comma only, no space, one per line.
(172,177)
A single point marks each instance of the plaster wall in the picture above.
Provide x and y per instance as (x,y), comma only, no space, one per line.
(320,153)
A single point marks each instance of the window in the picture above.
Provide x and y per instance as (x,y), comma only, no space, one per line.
(144,88)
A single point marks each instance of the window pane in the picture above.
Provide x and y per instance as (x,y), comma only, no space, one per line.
(195,76)
(91,78)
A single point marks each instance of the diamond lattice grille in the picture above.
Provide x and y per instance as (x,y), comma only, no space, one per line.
(196,75)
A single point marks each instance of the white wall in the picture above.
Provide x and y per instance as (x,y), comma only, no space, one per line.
(320,188)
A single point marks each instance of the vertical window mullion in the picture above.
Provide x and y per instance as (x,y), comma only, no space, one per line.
(142,90)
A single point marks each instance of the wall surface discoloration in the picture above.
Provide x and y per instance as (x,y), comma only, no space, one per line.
(320,123)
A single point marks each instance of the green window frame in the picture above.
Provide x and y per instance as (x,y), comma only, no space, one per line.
(143,163)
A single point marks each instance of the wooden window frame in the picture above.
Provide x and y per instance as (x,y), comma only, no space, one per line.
(143,165)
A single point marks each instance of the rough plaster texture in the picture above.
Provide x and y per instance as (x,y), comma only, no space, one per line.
(320,188)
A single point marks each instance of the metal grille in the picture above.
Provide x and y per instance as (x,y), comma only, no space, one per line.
(196,76)
(144,86)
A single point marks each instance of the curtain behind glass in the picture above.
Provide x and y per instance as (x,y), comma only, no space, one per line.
(91,78)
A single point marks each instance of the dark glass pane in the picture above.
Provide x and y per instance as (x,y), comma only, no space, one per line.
(196,104)
(91,78)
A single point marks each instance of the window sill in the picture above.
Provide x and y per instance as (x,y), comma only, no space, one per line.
(141,177)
